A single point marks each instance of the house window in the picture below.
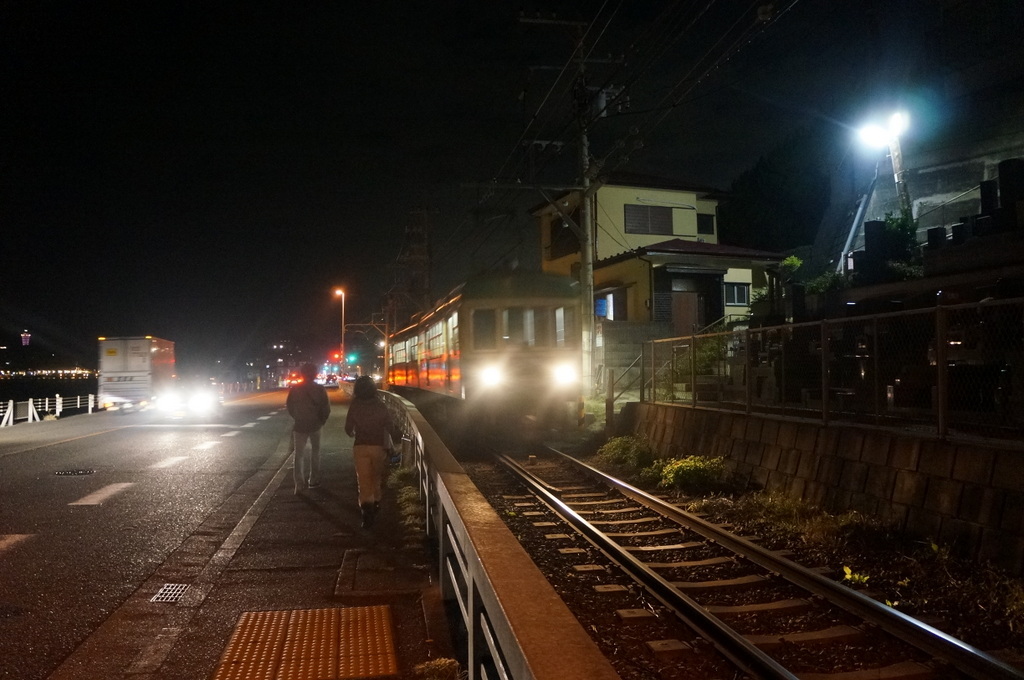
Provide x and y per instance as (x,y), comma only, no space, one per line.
(648,219)
(705,224)
(737,294)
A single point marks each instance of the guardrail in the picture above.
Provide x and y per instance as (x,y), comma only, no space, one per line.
(944,370)
(513,624)
(13,411)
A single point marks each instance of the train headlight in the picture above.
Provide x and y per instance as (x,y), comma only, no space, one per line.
(491,376)
(564,374)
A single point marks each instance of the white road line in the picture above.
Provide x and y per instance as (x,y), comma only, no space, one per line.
(168,462)
(264,418)
(8,540)
(206,445)
(230,434)
(250,425)
(97,498)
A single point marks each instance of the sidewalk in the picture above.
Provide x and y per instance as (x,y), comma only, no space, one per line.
(293,589)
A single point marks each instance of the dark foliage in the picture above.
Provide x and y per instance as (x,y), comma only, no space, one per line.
(778,204)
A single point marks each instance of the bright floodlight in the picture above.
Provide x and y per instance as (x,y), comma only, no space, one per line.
(898,124)
(878,136)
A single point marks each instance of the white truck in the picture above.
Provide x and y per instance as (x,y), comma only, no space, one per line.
(133,371)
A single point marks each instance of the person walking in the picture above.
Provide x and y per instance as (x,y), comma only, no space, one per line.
(309,407)
(369,421)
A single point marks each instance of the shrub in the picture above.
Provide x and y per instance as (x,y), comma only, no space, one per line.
(631,451)
(694,474)
(439,669)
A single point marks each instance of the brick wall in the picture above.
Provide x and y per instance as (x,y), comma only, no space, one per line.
(966,496)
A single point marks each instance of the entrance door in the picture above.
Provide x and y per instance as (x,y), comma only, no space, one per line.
(685,312)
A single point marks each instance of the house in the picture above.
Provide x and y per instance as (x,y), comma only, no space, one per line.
(659,270)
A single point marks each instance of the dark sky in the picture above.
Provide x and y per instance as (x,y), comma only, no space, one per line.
(206,172)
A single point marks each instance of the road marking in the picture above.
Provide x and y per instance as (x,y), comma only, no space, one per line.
(230,434)
(62,441)
(250,425)
(168,462)
(264,418)
(207,445)
(9,540)
(97,497)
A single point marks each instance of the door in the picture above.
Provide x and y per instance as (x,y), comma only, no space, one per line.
(685,312)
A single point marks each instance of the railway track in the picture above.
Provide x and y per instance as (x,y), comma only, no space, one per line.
(689,598)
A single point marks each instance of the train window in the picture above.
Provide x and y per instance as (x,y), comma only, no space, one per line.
(485,329)
(545,327)
(518,326)
(565,327)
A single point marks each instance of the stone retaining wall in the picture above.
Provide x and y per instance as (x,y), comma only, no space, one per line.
(968,497)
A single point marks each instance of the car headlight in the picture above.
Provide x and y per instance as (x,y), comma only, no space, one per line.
(491,376)
(169,401)
(564,374)
(201,402)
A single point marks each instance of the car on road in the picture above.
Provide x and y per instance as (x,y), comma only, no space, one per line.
(193,399)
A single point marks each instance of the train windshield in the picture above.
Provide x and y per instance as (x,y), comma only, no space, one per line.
(524,327)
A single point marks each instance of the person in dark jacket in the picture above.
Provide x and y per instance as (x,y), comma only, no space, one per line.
(369,421)
(309,406)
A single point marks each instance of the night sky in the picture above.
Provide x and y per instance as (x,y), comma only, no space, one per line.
(207,172)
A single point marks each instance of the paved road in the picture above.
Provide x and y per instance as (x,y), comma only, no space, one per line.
(91,505)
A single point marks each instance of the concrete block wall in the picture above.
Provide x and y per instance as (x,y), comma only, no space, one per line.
(969,497)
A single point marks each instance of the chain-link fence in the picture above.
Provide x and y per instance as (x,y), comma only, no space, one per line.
(952,369)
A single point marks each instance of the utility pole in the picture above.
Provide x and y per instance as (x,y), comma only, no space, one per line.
(585,233)
(586,243)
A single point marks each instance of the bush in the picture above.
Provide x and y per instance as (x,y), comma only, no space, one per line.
(439,669)
(694,474)
(631,451)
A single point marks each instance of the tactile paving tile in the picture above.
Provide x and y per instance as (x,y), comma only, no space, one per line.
(311,644)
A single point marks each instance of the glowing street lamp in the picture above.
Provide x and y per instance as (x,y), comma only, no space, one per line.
(879,137)
(338,292)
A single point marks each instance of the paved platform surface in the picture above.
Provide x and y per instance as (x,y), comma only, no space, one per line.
(272,559)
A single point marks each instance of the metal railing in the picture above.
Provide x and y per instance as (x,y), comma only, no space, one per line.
(29,411)
(947,370)
(511,628)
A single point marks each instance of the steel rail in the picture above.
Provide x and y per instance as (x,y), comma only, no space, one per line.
(936,643)
(731,644)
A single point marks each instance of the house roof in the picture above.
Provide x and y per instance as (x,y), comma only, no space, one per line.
(679,247)
(682,246)
(635,179)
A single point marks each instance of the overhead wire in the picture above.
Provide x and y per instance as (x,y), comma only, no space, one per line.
(674,22)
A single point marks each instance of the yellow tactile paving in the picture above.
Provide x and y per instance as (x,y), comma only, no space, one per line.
(311,644)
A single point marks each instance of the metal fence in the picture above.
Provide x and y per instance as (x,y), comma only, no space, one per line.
(947,370)
(503,629)
(35,410)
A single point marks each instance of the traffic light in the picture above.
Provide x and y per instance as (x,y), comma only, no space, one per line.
(352,358)
(336,356)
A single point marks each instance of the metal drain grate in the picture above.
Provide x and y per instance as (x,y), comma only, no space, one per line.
(170,592)
(67,473)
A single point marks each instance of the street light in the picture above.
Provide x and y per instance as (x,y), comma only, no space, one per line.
(338,292)
(878,136)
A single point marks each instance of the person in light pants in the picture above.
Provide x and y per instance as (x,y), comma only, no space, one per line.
(369,421)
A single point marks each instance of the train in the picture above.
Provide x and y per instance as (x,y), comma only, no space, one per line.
(498,344)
